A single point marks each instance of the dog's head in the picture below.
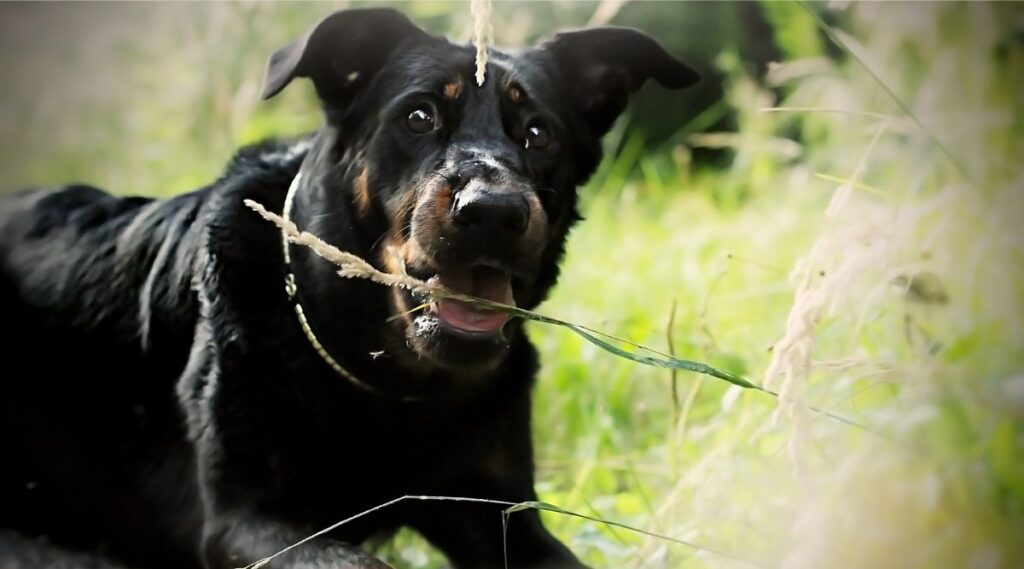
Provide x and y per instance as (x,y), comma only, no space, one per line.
(470,186)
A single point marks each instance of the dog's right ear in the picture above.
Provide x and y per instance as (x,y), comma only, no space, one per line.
(342,50)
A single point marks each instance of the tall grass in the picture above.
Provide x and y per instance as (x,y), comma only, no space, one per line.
(893,295)
(871,265)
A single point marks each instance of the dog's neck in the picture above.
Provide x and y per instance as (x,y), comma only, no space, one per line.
(320,299)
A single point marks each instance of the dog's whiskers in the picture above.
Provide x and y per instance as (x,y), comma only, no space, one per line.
(378,240)
(322,216)
(409,312)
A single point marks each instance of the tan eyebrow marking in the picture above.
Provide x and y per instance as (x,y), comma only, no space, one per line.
(515,93)
(454,89)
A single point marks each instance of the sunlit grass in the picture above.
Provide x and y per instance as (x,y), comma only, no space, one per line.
(942,488)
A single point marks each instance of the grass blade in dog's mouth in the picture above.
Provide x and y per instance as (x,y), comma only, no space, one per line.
(480,282)
(473,306)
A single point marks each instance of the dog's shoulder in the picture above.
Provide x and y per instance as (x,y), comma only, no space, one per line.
(270,157)
(261,172)
(237,267)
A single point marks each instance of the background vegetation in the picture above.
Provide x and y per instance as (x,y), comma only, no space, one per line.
(854,241)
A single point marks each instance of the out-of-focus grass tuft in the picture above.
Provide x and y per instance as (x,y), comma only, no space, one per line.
(870,205)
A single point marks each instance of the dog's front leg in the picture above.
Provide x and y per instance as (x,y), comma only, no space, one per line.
(472,535)
(237,531)
(237,540)
(498,465)
(494,460)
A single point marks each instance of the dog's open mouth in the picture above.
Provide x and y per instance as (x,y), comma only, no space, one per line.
(485,282)
(458,334)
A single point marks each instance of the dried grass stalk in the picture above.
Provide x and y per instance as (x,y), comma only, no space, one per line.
(482,35)
(352,266)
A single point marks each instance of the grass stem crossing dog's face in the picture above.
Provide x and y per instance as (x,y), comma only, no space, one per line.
(470,186)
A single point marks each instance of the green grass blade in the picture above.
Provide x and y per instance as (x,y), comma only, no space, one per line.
(352,266)
(544,506)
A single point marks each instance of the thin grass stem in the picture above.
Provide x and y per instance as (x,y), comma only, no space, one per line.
(832,35)
(509,509)
(353,266)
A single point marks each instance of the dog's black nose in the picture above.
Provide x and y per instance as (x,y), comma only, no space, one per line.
(505,212)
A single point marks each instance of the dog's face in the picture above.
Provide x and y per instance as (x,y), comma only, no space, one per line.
(471,186)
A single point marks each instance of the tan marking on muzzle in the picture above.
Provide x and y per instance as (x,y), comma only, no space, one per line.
(431,213)
(393,257)
(537,226)
(402,214)
(441,204)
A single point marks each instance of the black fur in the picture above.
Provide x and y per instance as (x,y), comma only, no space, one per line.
(161,404)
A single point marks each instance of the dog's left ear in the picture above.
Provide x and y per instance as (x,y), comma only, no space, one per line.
(602,66)
(343,50)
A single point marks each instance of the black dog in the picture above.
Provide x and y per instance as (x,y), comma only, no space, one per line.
(182,390)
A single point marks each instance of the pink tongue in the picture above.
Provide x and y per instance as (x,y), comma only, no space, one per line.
(489,286)
(462,316)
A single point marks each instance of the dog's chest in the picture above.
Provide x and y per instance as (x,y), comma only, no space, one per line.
(321,467)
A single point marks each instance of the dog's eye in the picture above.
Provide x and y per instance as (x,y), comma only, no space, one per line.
(536,138)
(421,121)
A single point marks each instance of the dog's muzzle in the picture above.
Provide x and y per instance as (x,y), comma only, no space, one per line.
(479,231)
